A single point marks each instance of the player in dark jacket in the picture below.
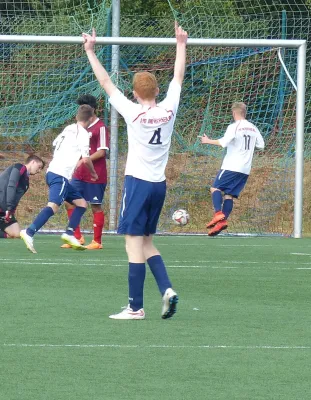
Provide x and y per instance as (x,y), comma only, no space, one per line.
(14,183)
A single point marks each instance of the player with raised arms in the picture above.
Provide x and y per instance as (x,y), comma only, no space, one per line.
(14,183)
(149,129)
(241,139)
(69,146)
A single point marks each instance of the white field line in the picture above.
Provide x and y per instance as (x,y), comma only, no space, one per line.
(245,245)
(177,244)
(158,346)
(112,265)
(104,263)
(64,259)
(300,254)
(216,245)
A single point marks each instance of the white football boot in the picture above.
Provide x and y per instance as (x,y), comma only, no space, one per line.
(170,300)
(128,313)
(72,241)
(28,240)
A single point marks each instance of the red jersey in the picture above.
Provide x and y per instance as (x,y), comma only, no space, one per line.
(99,140)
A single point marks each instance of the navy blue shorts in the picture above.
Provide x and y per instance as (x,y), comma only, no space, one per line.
(91,192)
(142,202)
(230,182)
(60,189)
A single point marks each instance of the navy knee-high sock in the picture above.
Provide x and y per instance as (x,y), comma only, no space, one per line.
(42,218)
(217,200)
(75,219)
(227,207)
(159,272)
(136,280)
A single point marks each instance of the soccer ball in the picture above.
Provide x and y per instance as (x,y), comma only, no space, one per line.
(180,217)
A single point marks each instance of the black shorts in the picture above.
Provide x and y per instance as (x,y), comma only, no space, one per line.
(4,224)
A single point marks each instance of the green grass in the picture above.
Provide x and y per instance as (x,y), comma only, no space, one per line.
(242,330)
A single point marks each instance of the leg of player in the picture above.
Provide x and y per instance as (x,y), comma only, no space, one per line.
(217,203)
(74,221)
(227,206)
(42,218)
(3,235)
(9,230)
(136,279)
(13,231)
(226,210)
(232,183)
(77,233)
(157,267)
(98,225)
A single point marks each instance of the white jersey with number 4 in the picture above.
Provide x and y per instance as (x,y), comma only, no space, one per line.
(149,132)
(69,146)
(241,139)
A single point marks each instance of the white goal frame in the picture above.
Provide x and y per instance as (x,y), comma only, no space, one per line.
(300,45)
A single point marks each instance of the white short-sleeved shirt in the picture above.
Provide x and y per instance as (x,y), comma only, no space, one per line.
(149,132)
(69,146)
(241,139)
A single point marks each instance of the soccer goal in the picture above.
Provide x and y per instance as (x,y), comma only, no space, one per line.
(41,76)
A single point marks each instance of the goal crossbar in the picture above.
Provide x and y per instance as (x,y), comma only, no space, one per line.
(292,43)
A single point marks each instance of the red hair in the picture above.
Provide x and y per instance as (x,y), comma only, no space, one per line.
(145,85)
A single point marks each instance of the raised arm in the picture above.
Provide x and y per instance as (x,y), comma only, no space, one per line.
(99,71)
(180,61)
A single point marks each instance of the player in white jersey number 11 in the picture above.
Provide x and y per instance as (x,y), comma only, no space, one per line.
(241,139)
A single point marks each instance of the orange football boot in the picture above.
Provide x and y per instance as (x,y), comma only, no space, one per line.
(219,216)
(220,226)
(94,246)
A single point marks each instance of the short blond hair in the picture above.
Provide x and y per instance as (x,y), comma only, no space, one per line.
(240,108)
(145,85)
(84,113)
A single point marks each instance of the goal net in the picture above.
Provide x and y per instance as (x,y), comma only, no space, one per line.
(39,84)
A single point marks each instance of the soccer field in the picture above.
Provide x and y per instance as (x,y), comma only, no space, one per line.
(242,330)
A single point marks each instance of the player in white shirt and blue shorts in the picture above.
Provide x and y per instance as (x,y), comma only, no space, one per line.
(70,146)
(241,139)
(149,129)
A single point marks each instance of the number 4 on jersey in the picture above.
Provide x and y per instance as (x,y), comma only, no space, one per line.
(156,137)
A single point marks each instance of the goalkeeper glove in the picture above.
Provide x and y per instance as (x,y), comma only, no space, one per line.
(8,216)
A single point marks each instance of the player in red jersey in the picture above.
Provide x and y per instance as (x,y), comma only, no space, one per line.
(92,192)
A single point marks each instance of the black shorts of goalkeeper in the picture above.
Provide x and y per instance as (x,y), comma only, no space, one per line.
(5,224)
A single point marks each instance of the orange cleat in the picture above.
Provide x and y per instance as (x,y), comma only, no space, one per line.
(220,226)
(67,246)
(94,246)
(219,216)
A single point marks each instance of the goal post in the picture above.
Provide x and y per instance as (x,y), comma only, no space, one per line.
(299,45)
